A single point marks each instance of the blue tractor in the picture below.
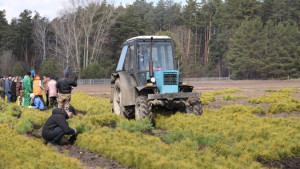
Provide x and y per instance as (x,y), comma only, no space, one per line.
(147,78)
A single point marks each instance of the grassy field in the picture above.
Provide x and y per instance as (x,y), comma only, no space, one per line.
(233,136)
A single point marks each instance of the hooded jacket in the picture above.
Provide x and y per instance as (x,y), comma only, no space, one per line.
(2,84)
(7,85)
(27,84)
(52,88)
(37,84)
(64,85)
(45,83)
(13,88)
(57,119)
(38,103)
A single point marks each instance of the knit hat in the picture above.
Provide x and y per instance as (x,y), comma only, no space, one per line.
(66,72)
(37,77)
(32,95)
(32,72)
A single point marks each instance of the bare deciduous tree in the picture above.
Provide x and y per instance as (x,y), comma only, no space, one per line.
(82,30)
(40,31)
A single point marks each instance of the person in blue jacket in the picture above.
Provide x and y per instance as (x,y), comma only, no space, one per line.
(38,103)
(8,88)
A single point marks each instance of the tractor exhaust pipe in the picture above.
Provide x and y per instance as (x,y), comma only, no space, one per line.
(150,59)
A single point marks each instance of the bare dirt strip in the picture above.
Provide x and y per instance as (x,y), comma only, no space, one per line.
(250,88)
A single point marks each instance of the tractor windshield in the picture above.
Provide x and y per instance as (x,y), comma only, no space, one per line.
(162,55)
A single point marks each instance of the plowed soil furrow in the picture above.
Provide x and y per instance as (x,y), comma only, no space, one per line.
(89,159)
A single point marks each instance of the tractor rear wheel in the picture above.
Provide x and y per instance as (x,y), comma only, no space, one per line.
(118,107)
(142,108)
(195,107)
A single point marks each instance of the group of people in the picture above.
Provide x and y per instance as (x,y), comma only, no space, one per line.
(29,89)
(11,86)
(29,92)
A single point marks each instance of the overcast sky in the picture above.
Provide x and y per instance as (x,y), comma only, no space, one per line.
(46,8)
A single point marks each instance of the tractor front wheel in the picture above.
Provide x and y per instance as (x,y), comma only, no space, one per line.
(195,107)
(142,108)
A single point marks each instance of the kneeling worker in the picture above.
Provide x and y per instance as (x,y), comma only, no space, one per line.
(57,126)
(38,103)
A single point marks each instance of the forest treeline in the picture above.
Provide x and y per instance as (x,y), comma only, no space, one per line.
(243,39)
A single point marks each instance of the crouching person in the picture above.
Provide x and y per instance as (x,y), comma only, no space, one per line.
(57,126)
(37,102)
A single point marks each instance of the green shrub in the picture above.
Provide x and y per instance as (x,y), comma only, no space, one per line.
(273,98)
(232,97)
(284,107)
(289,90)
(258,110)
(135,126)
(50,67)
(23,126)
(94,70)
(208,97)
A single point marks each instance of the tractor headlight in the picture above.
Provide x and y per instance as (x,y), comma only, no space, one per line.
(152,79)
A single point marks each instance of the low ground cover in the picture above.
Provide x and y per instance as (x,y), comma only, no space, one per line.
(210,96)
(281,101)
(229,137)
(18,151)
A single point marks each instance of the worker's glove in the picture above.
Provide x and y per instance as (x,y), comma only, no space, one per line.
(75,132)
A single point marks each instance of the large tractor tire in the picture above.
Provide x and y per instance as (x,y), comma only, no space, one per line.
(195,107)
(118,107)
(142,108)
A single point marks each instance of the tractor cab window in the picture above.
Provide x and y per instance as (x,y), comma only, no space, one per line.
(129,56)
(162,55)
(122,58)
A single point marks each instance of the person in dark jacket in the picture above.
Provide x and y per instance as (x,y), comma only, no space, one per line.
(8,88)
(14,89)
(57,126)
(64,86)
(2,87)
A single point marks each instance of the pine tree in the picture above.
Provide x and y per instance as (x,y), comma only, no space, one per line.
(3,30)
(247,53)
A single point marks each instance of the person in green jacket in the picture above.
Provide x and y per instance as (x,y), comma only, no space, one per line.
(27,86)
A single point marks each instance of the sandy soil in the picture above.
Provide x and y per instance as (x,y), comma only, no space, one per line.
(250,87)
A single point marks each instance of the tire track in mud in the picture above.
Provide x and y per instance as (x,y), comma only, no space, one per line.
(88,158)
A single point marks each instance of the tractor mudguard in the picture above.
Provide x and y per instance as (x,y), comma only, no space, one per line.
(128,88)
(113,77)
